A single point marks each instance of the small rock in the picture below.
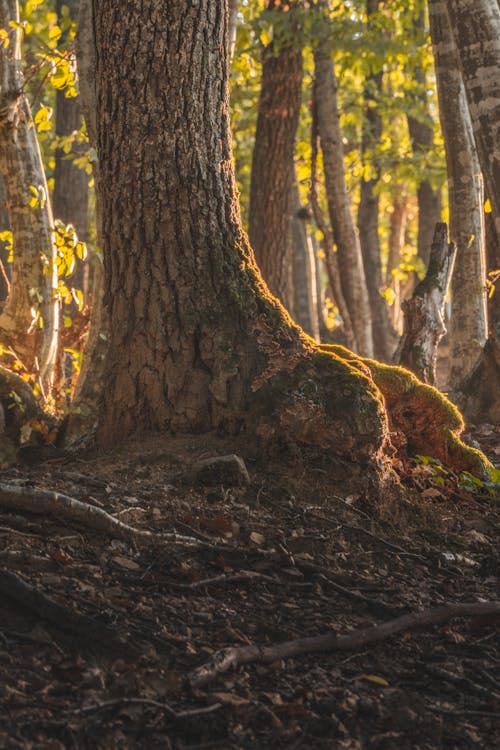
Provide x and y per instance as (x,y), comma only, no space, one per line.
(229,471)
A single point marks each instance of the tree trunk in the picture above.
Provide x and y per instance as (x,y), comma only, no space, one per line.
(305,304)
(476,29)
(468,326)
(397,230)
(196,341)
(30,317)
(71,190)
(273,173)
(331,259)
(233,26)
(384,336)
(424,312)
(350,262)
(422,140)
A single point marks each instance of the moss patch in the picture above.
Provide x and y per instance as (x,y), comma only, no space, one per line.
(421,418)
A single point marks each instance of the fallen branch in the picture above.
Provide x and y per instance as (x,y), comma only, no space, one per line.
(231,657)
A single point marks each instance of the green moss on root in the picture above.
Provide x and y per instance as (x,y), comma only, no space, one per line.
(430,423)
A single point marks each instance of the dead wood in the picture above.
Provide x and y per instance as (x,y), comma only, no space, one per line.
(424,312)
(232,657)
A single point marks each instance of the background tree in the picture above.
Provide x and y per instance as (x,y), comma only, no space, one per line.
(30,318)
(468,323)
(273,173)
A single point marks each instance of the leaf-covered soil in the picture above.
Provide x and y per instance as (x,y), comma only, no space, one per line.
(282,558)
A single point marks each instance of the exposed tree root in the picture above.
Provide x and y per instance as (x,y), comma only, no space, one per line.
(233,657)
(47,502)
(28,596)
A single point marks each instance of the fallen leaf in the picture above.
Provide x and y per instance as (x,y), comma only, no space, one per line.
(375,679)
(230,698)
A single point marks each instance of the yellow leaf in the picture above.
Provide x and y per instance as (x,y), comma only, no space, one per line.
(487,206)
(375,679)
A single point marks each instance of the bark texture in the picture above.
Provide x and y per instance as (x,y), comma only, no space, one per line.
(350,262)
(424,312)
(30,318)
(273,172)
(468,323)
(195,341)
(384,336)
(476,29)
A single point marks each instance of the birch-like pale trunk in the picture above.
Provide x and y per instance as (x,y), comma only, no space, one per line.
(468,324)
(350,262)
(30,318)
(476,29)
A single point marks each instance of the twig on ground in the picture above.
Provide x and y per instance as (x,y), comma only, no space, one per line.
(177,715)
(235,656)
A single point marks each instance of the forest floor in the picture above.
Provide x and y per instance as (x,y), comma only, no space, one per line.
(111,662)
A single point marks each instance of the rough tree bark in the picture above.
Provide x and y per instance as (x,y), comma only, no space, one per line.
(196,342)
(384,336)
(273,173)
(30,318)
(468,322)
(476,30)
(424,312)
(422,140)
(350,262)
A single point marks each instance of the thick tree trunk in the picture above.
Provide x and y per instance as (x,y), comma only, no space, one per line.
(30,317)
(272,180)
(468,325)
(384,336)
(424,312)
(196,341)
(350,262)
(422,140)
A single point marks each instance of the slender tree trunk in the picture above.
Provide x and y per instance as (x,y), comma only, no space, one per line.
(71,190)
(270,213)
(233,26)
(331,259)
(468,326)
(384,336)
(30,317)
(350,261)
(422,140)
(305,305)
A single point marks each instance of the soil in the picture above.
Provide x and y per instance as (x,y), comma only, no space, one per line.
(280,559)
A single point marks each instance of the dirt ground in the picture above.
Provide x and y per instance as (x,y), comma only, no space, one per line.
(112,662)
